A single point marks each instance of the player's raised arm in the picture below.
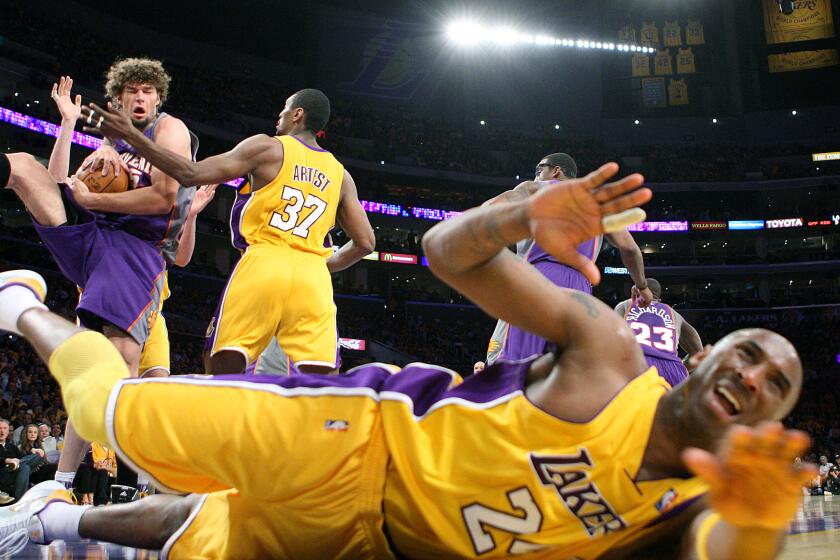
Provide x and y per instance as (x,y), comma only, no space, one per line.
(631,257)
(467,253)
(519,192)
(354,221)
(247,157)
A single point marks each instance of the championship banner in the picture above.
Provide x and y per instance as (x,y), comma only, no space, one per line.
(802,60)
(811,19)
(653,93)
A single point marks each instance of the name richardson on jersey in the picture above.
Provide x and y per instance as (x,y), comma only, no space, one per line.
(311,175)
(637,312)
(569,475)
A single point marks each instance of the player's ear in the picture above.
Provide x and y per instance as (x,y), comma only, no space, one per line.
(697,359)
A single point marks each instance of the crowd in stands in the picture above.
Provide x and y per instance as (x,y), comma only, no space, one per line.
(367,130)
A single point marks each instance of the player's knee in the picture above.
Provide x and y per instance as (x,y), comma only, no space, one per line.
(22,165)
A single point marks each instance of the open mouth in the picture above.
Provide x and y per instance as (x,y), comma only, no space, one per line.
(727,400)
(138,113)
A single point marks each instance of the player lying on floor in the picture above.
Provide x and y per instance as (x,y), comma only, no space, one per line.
(583,453)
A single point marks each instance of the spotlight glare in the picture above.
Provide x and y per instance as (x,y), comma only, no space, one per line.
(714,121)
(579,43)
(599,45)
(556,127)
(793,112)
(636,121)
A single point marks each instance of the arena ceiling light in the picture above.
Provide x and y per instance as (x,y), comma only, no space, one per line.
(468,33)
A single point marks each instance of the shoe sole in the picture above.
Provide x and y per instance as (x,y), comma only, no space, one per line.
(28,279)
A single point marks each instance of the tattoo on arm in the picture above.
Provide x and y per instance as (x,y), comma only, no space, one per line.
(591,310)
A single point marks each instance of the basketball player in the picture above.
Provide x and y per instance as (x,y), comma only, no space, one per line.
(660,330)
(583,453)
(296,191)
(114,246)
(512,343)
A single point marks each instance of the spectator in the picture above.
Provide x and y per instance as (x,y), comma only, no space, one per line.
(95,475)
(833,484)
(32,457)
(25,421)
(11,459)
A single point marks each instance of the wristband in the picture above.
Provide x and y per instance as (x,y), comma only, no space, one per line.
(703,532)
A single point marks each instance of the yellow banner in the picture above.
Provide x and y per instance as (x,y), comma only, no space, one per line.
(811,19)
(802,60)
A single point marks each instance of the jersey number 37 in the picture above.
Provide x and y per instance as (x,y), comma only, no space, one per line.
(288,219)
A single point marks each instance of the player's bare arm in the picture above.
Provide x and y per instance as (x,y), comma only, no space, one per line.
(468,254)
(70,109)
(186,244)
(519,192)
(159,197)
(354,221)
(632,258)
(690,340)
(260,156)
(621,308)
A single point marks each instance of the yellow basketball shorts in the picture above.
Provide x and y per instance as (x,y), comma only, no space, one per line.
(277,292)
(292,468)
(155,353)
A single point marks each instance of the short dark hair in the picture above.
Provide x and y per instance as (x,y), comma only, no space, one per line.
(565,161)
(316,107)
(655,287)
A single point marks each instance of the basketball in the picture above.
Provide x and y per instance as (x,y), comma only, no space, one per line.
(98,183)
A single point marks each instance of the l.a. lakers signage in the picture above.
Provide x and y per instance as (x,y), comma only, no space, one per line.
(810,19)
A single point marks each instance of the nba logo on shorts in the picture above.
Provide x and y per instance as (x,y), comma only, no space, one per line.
(336,425)
(667,500)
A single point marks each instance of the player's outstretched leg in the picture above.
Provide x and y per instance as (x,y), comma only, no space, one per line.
(46,513)
(84,363)
(35,186)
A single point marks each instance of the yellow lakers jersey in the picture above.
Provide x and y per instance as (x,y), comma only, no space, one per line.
(671,36)
(678,92)
(649,35)
(685,61)
(297,208)
(477,470)
(641,65)
(694,33)
(662,62)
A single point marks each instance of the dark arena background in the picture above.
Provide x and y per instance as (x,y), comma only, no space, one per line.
(438,106)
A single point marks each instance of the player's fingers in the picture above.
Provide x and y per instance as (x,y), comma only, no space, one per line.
(94,108)
(796,442)
(78,100)
(69,84)
(599,176)
(703,464)
(626,201)
(617,188)
(54,91)
(619,221)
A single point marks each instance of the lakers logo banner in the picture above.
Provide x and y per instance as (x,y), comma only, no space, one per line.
(802,60)
(811,19)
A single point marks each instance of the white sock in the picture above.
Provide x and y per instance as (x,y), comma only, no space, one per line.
(65,477)
(14,300)
(61,521)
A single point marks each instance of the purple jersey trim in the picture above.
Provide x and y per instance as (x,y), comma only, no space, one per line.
(313,148)
(676,510)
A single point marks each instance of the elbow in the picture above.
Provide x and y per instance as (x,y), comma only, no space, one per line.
(188,175)
(367,243)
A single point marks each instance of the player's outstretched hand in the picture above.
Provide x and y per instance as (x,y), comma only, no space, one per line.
(567,213)
(69,108)
(203,196)
(112,122)
(753,480)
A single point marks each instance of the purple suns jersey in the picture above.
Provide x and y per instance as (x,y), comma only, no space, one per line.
(163,230)
(533,253)
(655,327)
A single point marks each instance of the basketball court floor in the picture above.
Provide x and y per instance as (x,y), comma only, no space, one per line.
(815,535)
